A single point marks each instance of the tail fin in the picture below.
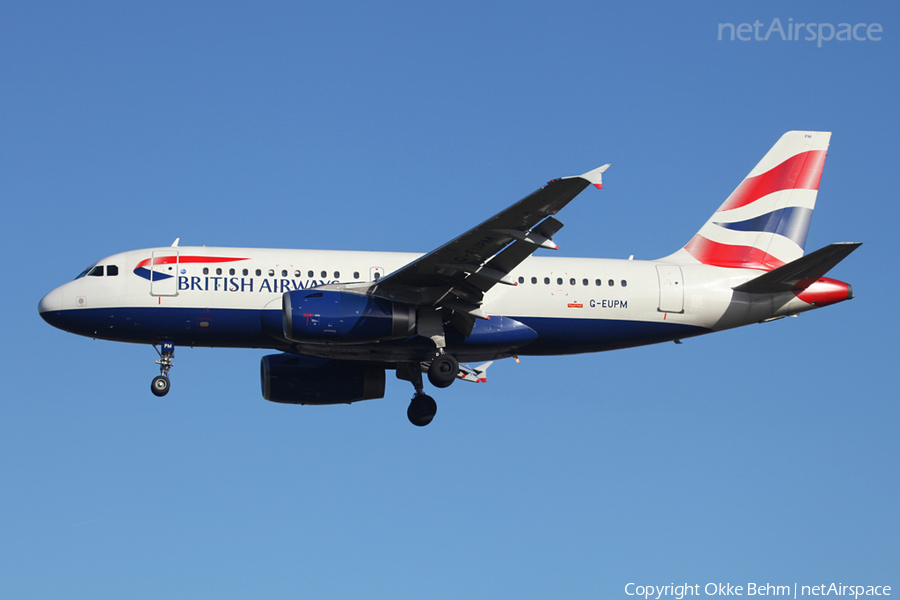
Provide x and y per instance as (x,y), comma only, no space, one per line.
(764,222)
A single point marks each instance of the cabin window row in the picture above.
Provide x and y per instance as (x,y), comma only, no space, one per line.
(574,281)
(297,273)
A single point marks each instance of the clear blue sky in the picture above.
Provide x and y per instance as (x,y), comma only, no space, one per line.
(765,454)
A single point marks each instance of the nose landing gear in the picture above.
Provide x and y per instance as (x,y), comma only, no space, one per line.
(160,384)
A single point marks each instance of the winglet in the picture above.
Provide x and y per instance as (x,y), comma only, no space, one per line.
(595,176)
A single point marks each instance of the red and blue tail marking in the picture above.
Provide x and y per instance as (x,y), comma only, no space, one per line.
(764,223)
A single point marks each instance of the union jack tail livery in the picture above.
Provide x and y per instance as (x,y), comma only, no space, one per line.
(764,222)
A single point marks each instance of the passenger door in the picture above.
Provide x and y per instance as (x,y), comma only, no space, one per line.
(671,288)
(164,273)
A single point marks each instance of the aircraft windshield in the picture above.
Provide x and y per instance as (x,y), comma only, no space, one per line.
(86,271)
(92,271)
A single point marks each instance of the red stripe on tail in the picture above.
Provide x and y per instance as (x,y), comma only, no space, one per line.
(800,172)
(733,257)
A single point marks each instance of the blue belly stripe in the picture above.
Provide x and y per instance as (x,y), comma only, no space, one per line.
(257,328)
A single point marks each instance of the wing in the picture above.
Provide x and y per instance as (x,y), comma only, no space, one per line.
(456,276)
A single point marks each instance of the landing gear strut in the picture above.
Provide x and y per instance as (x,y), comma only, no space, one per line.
(160,384)
(422,407)
(441,372)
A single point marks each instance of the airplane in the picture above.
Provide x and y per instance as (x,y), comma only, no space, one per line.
(340,319)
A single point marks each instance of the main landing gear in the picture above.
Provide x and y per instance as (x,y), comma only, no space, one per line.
(441,373)
(160,384)
(443,370)
(421,409)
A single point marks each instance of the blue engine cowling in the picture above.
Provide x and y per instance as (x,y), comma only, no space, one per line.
(344,316)
(292,379)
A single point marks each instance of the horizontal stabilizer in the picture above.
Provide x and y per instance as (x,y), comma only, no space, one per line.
(801,273)
(475,374)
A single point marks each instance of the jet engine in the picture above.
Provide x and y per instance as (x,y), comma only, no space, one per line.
(292,379)
(309,315)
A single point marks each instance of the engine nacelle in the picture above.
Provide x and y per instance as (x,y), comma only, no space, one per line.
(309,315)
(292,379)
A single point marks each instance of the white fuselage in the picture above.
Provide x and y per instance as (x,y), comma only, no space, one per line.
(214,297)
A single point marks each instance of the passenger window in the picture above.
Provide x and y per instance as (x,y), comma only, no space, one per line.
(559,281)
(355,274)
(337,274)
(624,283)
(245,272)
(324,274)
(258,272)
(377,275)
(572,281)
(218,271)
(521,280)
(584,282)
(112,270)
(598,283)
(206,270)
(297,273)
(231,271)
(271,272)
(284,272)
(534,280)
(310,274)
(611,283)
(546,281)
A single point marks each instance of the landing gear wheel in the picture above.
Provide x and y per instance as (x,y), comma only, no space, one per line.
(443,370)
(421,410)
(160,386)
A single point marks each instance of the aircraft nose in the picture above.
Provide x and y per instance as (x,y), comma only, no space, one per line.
(50,308)
(52,301)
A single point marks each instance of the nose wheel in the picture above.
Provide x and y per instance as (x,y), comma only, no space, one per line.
(160,384)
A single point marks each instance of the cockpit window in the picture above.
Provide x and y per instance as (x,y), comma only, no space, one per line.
(96,270)
(85,272)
